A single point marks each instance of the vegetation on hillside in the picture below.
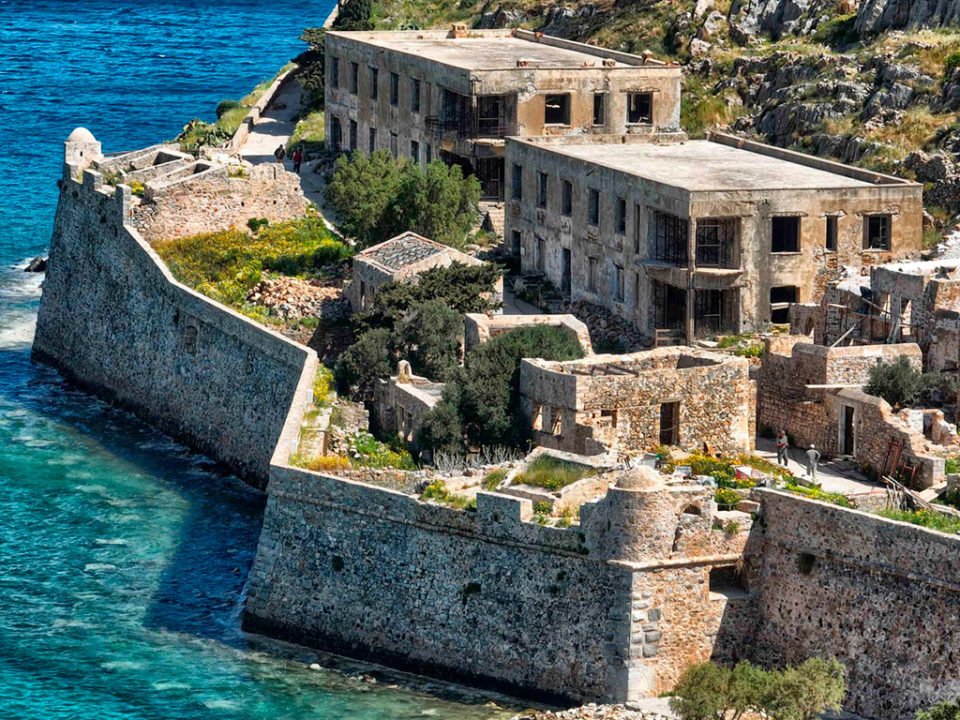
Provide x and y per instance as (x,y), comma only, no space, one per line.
(226,265)
(930,519)
(711,692)
(942,711)
(378,196)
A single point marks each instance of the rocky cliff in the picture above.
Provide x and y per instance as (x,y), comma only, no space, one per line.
(877,16)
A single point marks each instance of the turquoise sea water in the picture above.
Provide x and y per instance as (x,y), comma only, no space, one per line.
(123,555)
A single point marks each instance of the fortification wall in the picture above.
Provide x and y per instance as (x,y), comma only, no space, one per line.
(113,319)
(881,596)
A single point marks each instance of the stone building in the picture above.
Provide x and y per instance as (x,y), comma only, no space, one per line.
(479,327)
(401,403)
(905,302)
(456,95)
(815,394)
(398,259)
(701,237)
(631,403)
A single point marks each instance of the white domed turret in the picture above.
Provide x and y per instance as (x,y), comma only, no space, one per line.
(81,149)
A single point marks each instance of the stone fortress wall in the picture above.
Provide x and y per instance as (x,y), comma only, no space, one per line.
(612,609)
(881,596)
(115,320)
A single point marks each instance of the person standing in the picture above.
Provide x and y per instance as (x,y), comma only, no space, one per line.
(783,447)
(297,159)
(280,153)
(813,457)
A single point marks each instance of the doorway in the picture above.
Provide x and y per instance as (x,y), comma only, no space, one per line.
(565,282)
(847,446)
(669,423)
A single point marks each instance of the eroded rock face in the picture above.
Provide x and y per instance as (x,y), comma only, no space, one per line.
(876,16)
(778,17)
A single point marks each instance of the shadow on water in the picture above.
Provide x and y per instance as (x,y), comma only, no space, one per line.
(199,592)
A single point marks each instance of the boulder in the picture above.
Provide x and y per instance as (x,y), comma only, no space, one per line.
(37,265)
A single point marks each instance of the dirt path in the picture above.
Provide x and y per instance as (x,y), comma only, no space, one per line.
(274,127)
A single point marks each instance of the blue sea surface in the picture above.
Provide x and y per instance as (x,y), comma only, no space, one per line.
(122,554)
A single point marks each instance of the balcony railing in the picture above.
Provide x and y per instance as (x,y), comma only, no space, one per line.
(465,128)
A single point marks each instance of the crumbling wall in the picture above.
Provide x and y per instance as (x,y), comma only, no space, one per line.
(479,328)
(883,597)
(402,402)
(216,199)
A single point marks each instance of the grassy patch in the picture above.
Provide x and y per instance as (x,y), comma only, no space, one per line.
(324,463)
(309,130)
(493,478)
(226,265)
(438,492)
(323,386)
(551,473)
(815,493)
(924,518)
(366,451)
(952,465)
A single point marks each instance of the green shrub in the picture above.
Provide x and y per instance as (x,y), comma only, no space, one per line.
(432,333)
(945,710)
(902,386)
(951,63)
(753,350)
(367,451)
(837,32)
(437,491)
(373,356)
(323,386)
(542,507)
(256,224)
(552,473)
(701,693)
(726,498)
(925,518)
(492,480)
(815,493)
(951,465)
(224,106)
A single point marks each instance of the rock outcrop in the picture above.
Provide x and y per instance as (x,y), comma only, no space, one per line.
(877,16)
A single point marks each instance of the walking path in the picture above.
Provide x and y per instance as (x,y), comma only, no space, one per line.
(274,127)
(833,476)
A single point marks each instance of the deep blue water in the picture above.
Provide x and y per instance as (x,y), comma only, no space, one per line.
(123,555)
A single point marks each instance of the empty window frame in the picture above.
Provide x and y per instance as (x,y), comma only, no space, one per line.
(541,255)
(394,89)
(516,240)
(566,199)
(620,216)
(516,182)
(592,274)
(716,239)
(780,299)
(669,237)
(429,153)
(335,72)
(640,108)
(636,290)
(336,134)
(394,144)
(353,135)
(374,83)
(414,95)
(713,311)
(599,109)
(354,78)
(830,239)
(593,207)
(785,234)
(620,282)
(876,232)
(372,144)
(415,151)
(542,182)
(556,110)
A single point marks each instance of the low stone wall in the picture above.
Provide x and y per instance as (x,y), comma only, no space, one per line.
(881,596)
(113,319)
(479,328)
(243,132)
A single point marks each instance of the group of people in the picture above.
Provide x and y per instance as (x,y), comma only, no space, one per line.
(281,153)
(783,454)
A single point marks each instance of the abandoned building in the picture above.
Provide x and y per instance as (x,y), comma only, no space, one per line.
(697,238)
(455,95)
(905,302)
(479,327)
(401,258)
(401,403)
(815,393)
(674,396)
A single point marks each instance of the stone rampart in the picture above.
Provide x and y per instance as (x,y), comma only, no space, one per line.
(881,596)
(114,319)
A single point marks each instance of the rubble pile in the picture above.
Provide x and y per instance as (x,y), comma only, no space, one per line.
(293,298)
(592,712)
(608,332)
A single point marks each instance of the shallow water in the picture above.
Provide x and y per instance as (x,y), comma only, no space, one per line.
(122,554)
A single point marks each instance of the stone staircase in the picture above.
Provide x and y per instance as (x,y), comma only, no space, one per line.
(492,214)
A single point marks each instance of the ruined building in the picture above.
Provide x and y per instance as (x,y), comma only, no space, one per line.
(701,237)
(456,95)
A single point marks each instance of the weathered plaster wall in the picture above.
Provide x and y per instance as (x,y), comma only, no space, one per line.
(883,597)
(113,319)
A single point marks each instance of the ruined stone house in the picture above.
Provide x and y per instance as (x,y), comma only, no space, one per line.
(633,403)
(455,96)
(400,259)
(702,237)
(402,402)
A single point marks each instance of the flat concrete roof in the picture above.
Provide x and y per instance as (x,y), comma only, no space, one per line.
(491,52)
(701,165)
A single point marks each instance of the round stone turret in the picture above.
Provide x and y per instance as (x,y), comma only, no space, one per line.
(81,149)
(638,518)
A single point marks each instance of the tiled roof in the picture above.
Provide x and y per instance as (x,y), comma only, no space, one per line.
(401,251)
